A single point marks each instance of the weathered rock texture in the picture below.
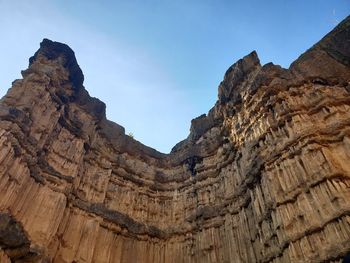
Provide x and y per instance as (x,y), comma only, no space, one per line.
(264,177)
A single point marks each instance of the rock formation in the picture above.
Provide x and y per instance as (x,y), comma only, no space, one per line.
(264,177)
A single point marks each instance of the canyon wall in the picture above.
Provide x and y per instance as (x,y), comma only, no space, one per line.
(263,177)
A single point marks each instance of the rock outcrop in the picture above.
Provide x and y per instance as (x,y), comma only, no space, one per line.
(264,177)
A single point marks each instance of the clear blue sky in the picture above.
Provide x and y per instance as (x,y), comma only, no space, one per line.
(157,64)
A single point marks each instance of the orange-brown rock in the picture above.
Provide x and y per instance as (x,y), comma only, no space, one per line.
(264,177)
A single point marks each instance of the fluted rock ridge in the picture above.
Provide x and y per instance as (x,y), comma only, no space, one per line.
(263,177)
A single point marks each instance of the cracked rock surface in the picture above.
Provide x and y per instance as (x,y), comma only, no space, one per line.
(263,177)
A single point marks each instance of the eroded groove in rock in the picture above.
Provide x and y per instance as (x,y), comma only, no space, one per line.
(264,177)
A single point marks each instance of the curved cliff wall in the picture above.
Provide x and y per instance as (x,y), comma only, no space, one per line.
(264,177)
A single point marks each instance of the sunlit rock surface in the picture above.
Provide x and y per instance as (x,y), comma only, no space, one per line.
(264,177)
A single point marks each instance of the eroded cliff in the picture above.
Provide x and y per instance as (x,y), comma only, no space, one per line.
(264,177)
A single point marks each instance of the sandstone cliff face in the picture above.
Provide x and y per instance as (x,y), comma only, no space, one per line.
(264,177)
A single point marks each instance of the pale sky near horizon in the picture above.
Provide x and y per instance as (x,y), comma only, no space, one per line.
(157,64)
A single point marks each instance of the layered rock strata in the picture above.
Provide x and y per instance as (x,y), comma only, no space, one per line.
(264,177)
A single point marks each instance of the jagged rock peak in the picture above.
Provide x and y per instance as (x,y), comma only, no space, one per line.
(58,51)
(47,61)
(236,74)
